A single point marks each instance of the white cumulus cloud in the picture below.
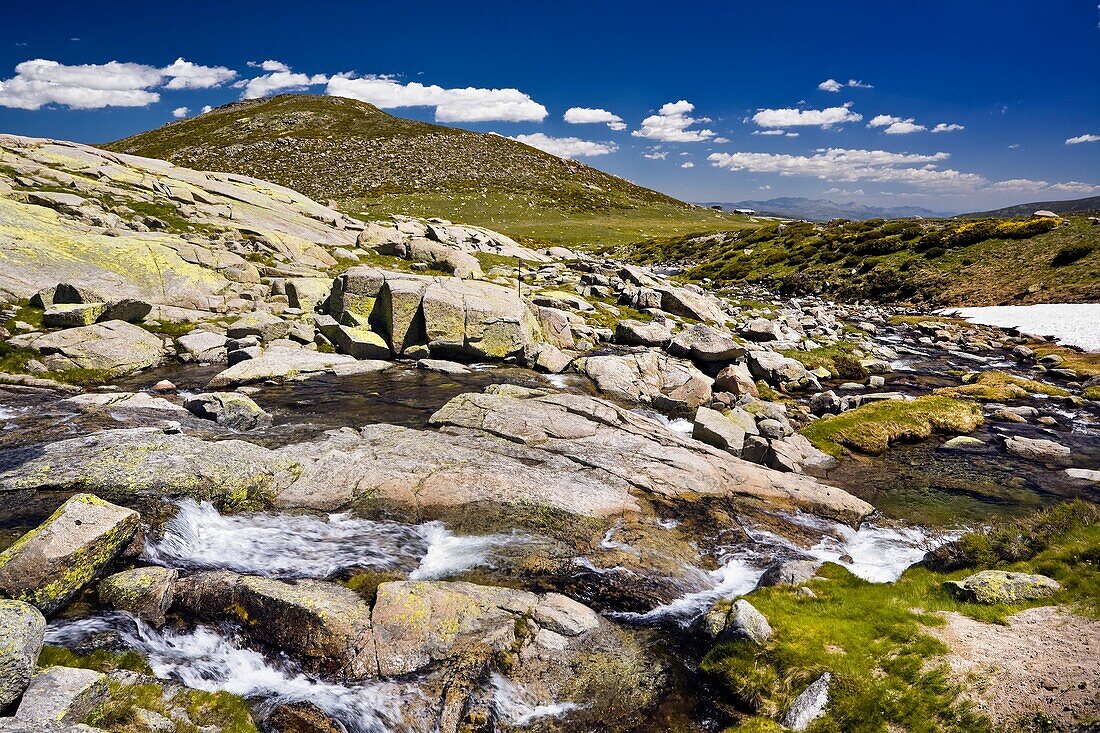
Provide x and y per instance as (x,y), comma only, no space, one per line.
(896,125)
(845,165)
(469,104)
(588,115)
(655,154)
(40,82)
(832,85)
(179,112)
(687,164)
(566,147)
(1086,138)
(672,123)
(279,78)
(947,127)
(792,117)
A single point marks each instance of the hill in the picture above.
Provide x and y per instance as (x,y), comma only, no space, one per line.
(1075,206)
(374,164)
(797,207)
(939,262)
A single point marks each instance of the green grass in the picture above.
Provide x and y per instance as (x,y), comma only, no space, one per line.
(998,386)
(874,638)
(872,427)
(837,358)
(950,262)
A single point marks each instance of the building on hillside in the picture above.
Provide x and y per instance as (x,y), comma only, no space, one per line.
(746,212)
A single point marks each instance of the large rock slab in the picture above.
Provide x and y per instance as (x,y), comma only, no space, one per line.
(122,464)
(51,564)
(325,626)
(22,627)
(115,347)
(231,409)
(640,451)
(421,468)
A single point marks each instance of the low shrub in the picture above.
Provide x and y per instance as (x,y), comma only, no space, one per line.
(1071,253)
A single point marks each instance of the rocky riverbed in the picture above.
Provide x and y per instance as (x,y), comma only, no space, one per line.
(413,476)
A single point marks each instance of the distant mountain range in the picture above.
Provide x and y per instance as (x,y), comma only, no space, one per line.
(824,209)
(1092,203)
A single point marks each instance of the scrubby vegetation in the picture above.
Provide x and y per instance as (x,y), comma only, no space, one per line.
(871,428)
(986,261)
(875,640)
(837,358)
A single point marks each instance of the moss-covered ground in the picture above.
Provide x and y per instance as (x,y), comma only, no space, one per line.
(874,638)
(872,427)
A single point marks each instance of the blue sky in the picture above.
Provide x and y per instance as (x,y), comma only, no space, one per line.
(705,101)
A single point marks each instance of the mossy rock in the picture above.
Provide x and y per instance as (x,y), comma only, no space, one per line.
(873,427)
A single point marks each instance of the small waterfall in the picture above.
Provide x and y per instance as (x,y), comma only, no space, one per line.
(206,660)
(514,706)
(307,546)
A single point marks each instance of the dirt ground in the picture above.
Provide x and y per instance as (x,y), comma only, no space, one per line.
(1045,660)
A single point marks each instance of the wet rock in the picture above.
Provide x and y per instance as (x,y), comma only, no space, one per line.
(64,695)
(963,442)
(22,627)
(147,593)
(114,347)
(998,586)
(146,461)
(325,626)
(809,705)
(788,572)
(639,333)
(1038,449)
(231,409)
(51,564)
(302,717)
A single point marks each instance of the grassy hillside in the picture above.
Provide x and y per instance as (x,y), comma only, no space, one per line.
(948,262)
(375,164)
(1076,206)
